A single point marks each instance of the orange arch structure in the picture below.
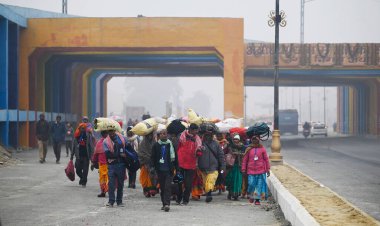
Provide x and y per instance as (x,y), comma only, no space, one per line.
(201,46)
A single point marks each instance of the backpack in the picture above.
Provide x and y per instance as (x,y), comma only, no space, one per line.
(132,161)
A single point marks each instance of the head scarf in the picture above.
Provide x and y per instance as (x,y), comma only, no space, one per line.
(77,131)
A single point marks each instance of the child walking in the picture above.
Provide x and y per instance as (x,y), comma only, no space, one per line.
(256,165)
(164,159)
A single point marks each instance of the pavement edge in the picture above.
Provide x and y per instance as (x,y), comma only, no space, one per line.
(293,211)
(336,194)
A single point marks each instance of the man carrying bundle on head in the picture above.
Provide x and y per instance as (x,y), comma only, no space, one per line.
(82,149)
(133,140)
(115,149)
(234,179)
(147,176)
(188,149)
(211,162)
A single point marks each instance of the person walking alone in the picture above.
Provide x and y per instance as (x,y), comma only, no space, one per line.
(82,149)
(58,132)
(69,136)
(42,133)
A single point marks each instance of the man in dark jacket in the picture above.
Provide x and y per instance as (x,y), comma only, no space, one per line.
(210,163)
(58,132)
(83,149)
(42,133)
(164,161)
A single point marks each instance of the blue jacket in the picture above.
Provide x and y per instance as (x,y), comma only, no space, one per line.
(58,131)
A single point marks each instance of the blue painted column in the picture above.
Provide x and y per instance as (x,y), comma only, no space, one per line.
(4,125)
(345,110)
(13,56)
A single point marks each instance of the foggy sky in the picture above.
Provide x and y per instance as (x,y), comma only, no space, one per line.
(331,21)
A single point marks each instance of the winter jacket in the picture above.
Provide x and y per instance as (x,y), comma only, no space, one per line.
(157,155)
(113,148)
(187,147)
(58,131)
(90,143)
(260,166)
(212,157)
(42,130)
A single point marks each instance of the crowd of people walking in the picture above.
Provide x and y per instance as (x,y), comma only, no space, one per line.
(179,163)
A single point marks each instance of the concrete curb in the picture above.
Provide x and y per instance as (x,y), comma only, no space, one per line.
(294,212)
(374,221)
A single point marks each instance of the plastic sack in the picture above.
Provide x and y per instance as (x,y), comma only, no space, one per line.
(193,117)
(240,131)
(160,127)
(170,119)
(70,172)
(234,122)
(145,127)
(103,124)
(224,127)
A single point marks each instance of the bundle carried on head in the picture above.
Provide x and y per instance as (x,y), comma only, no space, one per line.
(260,130)
(241,131)
(208,127)
(176,127)
(103,124)
(145,127)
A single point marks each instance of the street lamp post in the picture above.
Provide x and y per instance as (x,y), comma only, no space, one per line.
(324,105)
(276,18)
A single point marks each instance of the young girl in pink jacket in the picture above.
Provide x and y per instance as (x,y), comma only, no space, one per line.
(256,165)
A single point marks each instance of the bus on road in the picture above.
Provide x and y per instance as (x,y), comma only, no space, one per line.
(288,121)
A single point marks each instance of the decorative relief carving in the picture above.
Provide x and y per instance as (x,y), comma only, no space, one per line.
(321,54)
(355,54)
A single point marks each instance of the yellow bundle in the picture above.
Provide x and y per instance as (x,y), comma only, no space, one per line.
(145,127)
(103,124)
(193,117)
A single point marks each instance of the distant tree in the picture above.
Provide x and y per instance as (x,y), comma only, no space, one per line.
(200,103)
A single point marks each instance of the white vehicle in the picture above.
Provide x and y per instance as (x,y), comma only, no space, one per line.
(318,129)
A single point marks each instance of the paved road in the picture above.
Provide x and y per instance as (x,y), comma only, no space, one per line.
(350,166)
(40,194)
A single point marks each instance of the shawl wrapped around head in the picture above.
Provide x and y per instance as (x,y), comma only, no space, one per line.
(77,131)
